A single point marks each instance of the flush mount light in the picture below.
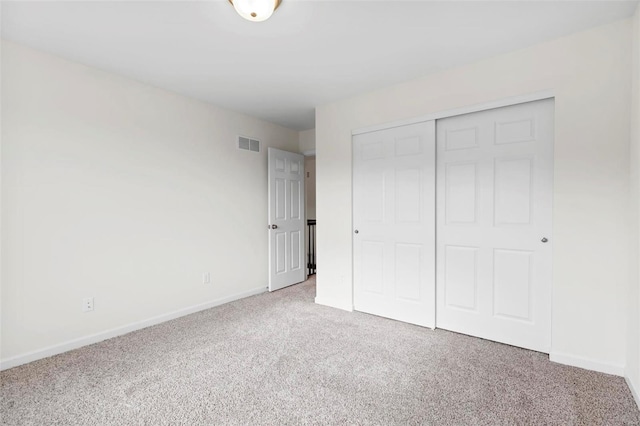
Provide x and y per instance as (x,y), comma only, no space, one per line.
(255,10)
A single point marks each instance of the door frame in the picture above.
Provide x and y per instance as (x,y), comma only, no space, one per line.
(483,106)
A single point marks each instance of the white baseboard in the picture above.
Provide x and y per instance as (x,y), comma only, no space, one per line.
(118,331)
(333,304)
(587,363)
(635,390)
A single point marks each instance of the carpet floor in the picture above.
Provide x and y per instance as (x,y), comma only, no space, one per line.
(278,358)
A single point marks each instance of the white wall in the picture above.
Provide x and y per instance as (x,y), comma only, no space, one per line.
(590,74)
(633,331)
(310,186)
(307,146)
(124,192)
(307,141)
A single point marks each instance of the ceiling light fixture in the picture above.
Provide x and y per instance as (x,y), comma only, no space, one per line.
(255,10)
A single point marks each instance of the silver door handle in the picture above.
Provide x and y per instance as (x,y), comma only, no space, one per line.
(274,226)
(356,231)
(544,239)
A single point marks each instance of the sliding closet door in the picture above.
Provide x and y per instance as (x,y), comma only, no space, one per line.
(495,189)
(394,223)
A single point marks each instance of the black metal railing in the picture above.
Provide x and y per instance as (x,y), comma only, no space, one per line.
(311,250)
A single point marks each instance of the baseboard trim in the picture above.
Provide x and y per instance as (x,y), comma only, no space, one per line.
(69,345)
(635,391)
(587,363)
(333,304)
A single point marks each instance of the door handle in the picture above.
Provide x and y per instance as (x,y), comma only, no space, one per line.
(273,226)
(544,239)
(356,231)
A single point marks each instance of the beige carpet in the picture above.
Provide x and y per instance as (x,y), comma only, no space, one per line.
(280,359)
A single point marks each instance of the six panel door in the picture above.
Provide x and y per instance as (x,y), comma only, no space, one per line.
(394,223)
(286,218)
(494,216)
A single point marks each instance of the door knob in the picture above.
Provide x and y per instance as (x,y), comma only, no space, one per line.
(544,239)
(273,226)
(355,232)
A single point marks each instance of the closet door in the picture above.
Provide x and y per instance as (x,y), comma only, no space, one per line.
(394,223)
(495,189)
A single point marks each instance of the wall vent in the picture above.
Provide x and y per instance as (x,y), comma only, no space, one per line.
(248,144)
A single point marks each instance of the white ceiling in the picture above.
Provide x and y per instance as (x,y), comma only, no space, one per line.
(309,53)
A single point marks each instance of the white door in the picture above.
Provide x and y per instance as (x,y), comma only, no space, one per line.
(286,219)
(394,223)
(495,188)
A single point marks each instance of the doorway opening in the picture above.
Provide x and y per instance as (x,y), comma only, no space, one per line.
(310,204)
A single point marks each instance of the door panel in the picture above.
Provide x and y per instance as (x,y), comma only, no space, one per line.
(512,284)
(408,259)
(286,219)
(461,190)
(512,191)
(461,277)
(495,189)
(394,214)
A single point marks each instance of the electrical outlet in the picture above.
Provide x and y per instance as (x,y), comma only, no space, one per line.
(87,304)
(206,278)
